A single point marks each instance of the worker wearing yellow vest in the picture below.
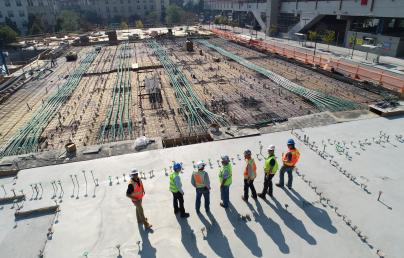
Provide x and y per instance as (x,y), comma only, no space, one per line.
(250,173)
(225,178)
(136,192)
(176,189)
(289,159)
(200,180)
(270,169)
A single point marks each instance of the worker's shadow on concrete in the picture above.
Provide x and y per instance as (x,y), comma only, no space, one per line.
(147,249)
(319,216)
(270,227)
(242,231)
(214,235)
(188,238)
(292,222)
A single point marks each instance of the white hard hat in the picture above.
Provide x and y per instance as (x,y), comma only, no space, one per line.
(271,147)
(133,172)
(200,164)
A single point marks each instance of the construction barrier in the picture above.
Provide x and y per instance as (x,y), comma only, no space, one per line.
(326,62)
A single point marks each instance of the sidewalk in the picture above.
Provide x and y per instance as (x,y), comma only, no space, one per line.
(388,63)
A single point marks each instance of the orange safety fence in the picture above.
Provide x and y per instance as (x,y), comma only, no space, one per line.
(354,71)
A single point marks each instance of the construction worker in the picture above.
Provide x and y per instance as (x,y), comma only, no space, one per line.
(200,180)
(289,159)
(270,169)
(225,178)
(250,173)
(176,189)
(136,192)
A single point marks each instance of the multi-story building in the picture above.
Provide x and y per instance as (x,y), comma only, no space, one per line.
(367,22)
(112,10)
(18,11)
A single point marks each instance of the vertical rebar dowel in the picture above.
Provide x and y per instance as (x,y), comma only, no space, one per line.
(33,192)
(380,194)
(4,189)
(74,186)
(124,178)
(40,184)
(92,175)
(12,190)
(61,189)
(54,191)
(78,186)
(85,180)
(37,191)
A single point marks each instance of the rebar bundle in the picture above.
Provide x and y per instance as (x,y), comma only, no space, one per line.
(28,138)
(119,114)
(198,116)
(322,101)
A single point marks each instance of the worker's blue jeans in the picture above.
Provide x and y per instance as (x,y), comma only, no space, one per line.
(205,192)
(224,193)
(288,170)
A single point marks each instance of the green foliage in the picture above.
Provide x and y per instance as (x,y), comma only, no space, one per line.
(12,25)
(152,18)
(174,14)
(124,25)
(139,24)
(69,21)
(220,20)
(328,36)
(312,35)
(35,25)
(7,35)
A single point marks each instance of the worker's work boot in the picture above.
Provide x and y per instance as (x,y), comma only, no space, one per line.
(262,196)
(244,199)
(185,215)
(279,185)
(147,225)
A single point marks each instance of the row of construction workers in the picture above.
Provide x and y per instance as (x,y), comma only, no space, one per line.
(200,180)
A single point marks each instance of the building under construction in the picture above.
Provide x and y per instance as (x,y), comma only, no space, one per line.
(174,89)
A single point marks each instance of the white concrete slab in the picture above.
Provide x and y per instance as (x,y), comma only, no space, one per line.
(307,228)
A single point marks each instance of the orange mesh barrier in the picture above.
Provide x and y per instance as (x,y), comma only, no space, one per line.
(354,71)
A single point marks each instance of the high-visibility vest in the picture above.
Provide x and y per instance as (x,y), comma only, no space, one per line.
(295,158)
(267,165)
(173,186)
(138,190)
(199,177)
(229,179)
(251,163)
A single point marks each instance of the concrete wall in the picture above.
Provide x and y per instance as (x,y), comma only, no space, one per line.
(392,46)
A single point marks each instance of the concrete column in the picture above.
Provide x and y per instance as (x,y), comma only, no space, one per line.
(348,26)
(272,13)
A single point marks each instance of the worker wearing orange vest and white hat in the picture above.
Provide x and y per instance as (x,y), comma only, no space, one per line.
(289,159)
(250,173)
(200,180)
(136,192)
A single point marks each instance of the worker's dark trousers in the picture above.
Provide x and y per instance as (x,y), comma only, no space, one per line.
(178,199)
(282,171)
(249,185)
(206,195)
(268,189)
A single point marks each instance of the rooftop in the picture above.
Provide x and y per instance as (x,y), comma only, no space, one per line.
(346,201)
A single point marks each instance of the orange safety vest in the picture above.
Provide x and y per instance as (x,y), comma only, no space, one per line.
(251,163)
(295,158)
(138,191)
(199,179)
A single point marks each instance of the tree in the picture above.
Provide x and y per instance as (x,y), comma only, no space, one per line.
(174,14)
(152,18)
(220,20)
(312,35)
(328,37)
(70,21)
(12,25)
(139,24)
(123,25)
(7,35)
(35,25)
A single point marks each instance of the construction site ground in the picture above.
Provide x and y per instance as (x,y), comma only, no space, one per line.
(346,200)
(242,96)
